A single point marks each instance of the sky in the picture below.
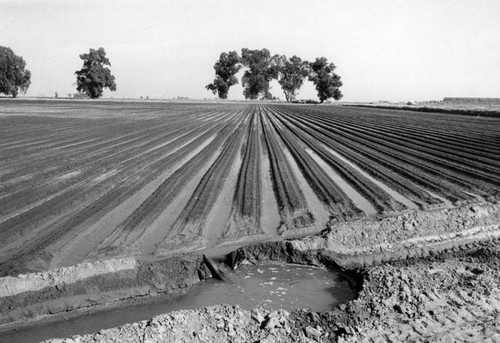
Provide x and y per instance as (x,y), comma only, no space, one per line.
(390,50)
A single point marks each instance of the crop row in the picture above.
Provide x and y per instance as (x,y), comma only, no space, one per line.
(245,217)
(379,154)
(329,193)
(51,209)
(97,179)
(380,199)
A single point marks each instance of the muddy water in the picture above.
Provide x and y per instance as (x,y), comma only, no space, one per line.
(321,215)
(284,286)
(270,219)
(218,217)
(274,286)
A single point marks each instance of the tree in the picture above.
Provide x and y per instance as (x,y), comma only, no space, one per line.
(94,76)
(262,68)
(326,81)
(291,75)
(13,77)
(225,70)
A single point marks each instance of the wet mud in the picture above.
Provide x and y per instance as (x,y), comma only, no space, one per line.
(418,276)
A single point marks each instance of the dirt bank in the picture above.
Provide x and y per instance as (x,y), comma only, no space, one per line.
(221,323)
(409,234)
(419,275)
(86,287)
(450,298)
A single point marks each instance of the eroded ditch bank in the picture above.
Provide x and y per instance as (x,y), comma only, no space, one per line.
(422,272)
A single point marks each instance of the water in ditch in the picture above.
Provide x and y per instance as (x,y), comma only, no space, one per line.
(271,286)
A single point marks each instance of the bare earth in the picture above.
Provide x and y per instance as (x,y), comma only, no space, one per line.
(112,203)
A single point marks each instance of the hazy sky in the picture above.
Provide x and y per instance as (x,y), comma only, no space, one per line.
(384,50)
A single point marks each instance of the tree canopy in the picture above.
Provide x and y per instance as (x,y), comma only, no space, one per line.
(262,68)
(291,75)
(324,78)
(94,76)
(225,70)
(14,78)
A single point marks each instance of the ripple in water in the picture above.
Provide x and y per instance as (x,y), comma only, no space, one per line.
(287,287)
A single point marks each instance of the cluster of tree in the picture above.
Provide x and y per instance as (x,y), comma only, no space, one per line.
(90,80)
(262,67)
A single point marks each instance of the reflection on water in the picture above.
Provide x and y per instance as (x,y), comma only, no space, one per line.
(288,287)
(273,286)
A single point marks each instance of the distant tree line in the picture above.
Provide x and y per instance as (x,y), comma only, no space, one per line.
(261,68)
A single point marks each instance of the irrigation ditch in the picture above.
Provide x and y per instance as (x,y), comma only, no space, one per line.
(417,275)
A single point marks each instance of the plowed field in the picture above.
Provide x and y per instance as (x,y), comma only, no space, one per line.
(87,180)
